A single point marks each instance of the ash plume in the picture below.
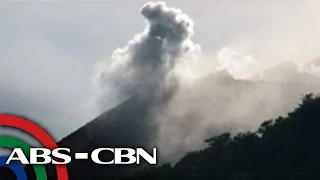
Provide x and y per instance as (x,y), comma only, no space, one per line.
(144,68)
(181,104)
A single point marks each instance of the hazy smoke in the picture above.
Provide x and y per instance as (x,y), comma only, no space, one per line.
(235,63)
(234,93)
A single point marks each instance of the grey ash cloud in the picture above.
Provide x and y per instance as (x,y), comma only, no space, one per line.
(176,112)
(145,66)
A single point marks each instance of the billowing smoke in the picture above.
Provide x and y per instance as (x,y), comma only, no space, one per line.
(194,100)
(145,66)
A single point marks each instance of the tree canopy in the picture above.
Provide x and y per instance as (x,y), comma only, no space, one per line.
(286,148)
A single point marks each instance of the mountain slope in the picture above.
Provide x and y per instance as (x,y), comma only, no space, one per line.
(127,125)
(131,124)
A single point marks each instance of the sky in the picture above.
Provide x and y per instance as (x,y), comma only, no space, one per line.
(49,50)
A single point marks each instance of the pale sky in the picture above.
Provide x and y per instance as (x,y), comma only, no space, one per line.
(48,50)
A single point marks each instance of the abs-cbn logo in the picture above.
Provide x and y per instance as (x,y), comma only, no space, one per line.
(23,154)
(46,156)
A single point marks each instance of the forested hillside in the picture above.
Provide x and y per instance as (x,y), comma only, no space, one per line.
(285,148)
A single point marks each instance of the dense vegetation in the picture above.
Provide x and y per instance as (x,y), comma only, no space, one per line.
(287,148)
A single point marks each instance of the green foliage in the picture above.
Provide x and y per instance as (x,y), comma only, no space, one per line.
(287,148)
